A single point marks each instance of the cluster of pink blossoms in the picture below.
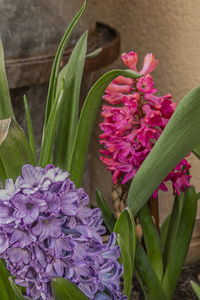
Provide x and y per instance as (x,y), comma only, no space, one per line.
(133,126)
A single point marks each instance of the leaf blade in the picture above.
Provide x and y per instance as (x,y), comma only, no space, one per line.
(179,137)
(107,215)
(6,110)
(181,244)
(14,141)
(57,61)
(63,289)
(86,123)
(128,270)
(68,118)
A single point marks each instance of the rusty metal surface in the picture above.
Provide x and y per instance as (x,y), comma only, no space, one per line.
(28,71)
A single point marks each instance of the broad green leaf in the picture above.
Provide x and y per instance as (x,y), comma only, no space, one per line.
(16,289)
(5,288)
(49,134)
(30,128)
(15,150)
(125,226)
(63,289)
(68,118)
(6,110)
(128,270)
(173,226)
(151,240)
(144,270)
(86,123)
(180,136)
(196,288)
(57,61)
(181,244)
(107,215)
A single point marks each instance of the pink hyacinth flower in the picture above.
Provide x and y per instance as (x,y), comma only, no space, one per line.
(149,64)
(130,60)
(132,129)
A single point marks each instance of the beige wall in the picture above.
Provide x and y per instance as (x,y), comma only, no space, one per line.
(171,31)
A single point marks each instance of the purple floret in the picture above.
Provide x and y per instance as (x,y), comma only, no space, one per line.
(47,230)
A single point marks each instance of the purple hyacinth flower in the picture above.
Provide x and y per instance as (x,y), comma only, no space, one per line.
(47,230)
(28,207)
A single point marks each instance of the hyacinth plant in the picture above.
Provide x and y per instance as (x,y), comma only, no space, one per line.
(50,240)
(146,139)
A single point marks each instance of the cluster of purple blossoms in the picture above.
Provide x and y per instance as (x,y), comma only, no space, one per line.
(133,126)
(47,230)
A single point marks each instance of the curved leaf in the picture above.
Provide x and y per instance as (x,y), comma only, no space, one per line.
(164,229)
(14,141)
(16,289)
(181,244)
(30,128)
(68,117)
(125,226)
(173,226)
(6,110)
(86,123)
(179,137)
(151,240)
(196,288)
(57,61)
(107,215)
(63,289)
(128,270)
(5,288)
(49,133)
(151,285)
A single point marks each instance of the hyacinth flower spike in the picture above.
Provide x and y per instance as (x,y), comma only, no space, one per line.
(47,230)
(132,129)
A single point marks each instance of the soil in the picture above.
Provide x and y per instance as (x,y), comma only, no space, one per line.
(183,290)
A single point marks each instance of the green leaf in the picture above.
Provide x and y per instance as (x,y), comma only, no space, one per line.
(14,141)
(151,240)
(173,226)
(198,195)
(30,128)
(86,123)
(6,110)
(144,270)
(5,288)
(164,229)
(57,61)
(63,289)
(94,53)
(196,288)
(180,136)
(107,215)
(49,134)
(128,270)
(16,289)
(3,175)
(68,118)
(181,244)
(125,226)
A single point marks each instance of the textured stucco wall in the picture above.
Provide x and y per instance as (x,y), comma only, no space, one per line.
(170,30)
